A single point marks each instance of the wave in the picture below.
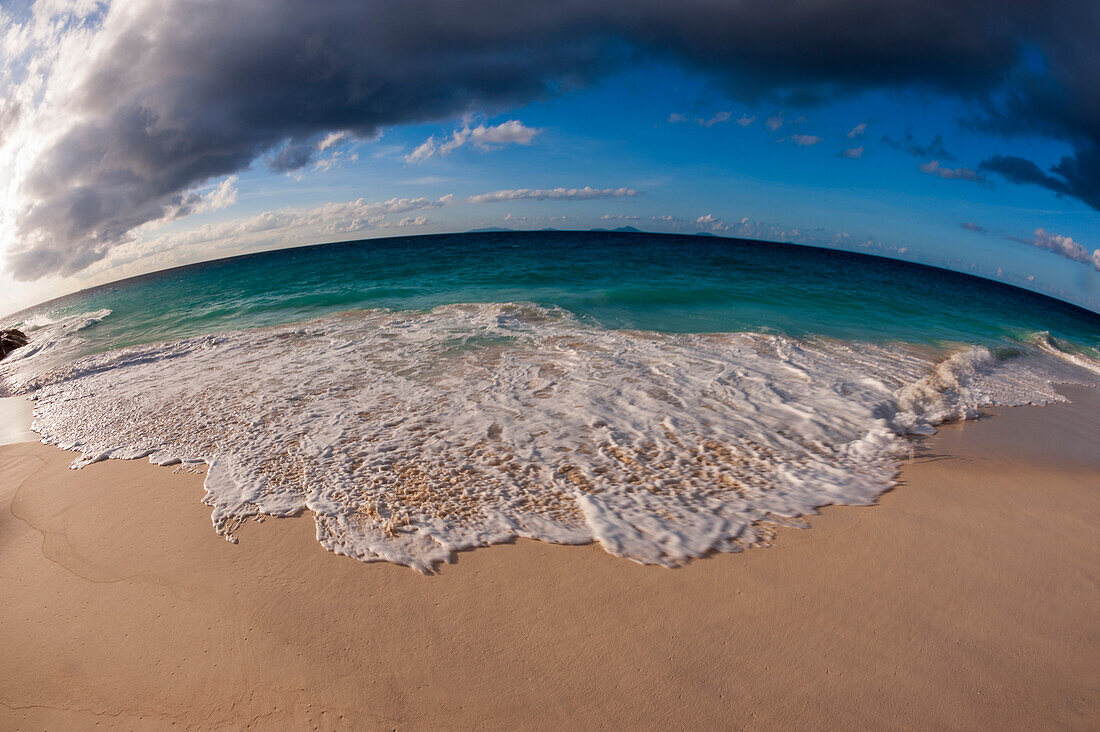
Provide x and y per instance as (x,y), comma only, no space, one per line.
(411,435)
(1064,351)
(54,341)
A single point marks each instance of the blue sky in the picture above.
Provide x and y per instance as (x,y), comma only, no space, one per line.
(896,169)
(618,133)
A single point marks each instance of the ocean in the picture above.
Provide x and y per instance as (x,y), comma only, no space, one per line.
(666,396)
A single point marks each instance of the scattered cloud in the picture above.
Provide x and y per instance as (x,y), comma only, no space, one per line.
(1066,247)
(853,153)
(484,138)
(224,195)
(750,228)
(555,194)
(971,226)
(358,215)
(806,140)
(511,132)
(934,168)
(335,160)
(332,139)
(775,121)
(114,112)
(858,131)
(422,152)
(934,149)
(716,119)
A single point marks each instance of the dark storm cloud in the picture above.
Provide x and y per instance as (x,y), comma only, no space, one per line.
(293,156)
(188,90)
(1020,170)
(1077,176)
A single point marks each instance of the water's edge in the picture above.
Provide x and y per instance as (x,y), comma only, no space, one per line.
(21,409)
(410,436)
(16,416)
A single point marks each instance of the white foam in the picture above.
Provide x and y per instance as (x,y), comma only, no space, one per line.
(52,343)
(412,435)
(1051,346)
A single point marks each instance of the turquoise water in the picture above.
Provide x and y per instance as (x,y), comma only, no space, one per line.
(618,280)
(661,395)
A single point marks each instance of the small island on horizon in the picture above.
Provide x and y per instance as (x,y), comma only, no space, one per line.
(513,365)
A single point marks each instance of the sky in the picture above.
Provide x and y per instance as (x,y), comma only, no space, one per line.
(141,135)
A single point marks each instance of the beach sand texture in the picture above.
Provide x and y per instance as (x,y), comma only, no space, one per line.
(967,598)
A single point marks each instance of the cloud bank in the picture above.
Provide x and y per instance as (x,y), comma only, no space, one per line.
(113,113)
(558,194)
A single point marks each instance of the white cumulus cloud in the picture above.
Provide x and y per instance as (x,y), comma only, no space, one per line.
(223,196)
(1066,247)
(482,137)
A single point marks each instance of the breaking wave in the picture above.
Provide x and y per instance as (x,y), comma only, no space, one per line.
(411,435)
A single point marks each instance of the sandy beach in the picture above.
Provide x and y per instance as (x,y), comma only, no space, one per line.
(514,365)
(967,598)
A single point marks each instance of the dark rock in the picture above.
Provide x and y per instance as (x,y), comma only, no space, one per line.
(10,340)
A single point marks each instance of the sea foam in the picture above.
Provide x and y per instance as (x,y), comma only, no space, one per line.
(411,435)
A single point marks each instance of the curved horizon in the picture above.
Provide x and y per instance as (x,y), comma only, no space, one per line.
(1016,286)
(672,280)
(142,135)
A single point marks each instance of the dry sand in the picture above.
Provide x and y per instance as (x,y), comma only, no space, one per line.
(968,598)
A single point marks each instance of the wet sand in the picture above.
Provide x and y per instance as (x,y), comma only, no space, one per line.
(967,598)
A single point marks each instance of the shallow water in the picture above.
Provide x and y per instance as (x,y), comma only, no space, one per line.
(662,395)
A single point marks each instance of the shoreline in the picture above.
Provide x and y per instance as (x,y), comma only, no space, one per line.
(16,415)
(964,597)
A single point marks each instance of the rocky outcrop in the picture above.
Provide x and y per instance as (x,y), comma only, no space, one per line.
(10,340)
